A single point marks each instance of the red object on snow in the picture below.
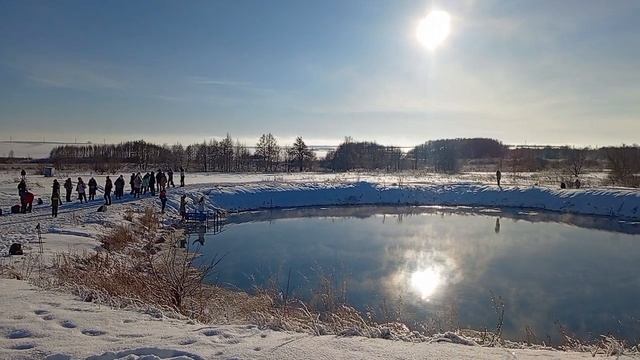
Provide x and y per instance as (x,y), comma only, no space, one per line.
(28,197)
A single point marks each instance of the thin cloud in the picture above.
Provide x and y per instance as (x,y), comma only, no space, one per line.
(67,74)
(201,80)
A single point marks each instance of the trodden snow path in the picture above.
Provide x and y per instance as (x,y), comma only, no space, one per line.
(39,324)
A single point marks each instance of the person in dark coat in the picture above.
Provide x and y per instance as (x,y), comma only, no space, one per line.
(163,199)
(55,187)
(119,183)
(498,177)
(152,184)
(22,188)
(181,176)
(131,182)
(145,183)
(162,180)
(68,187)
(159,178)
(23,174)
(55,198)
(170,178)
(108,186)
(93,185)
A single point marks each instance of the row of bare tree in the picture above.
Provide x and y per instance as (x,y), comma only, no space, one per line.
(445,155)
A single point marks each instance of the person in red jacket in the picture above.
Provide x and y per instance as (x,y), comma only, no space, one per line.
(27,202)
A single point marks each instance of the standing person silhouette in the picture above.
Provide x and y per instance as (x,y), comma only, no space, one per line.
(108,186)
(68,187)
(55,199)
(498,177)
(81,189)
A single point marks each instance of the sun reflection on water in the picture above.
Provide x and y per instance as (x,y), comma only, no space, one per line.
(426,281)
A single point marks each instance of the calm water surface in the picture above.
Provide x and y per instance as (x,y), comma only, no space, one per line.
(426,264)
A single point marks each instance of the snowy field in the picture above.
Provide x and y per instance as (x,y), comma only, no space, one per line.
(35,323)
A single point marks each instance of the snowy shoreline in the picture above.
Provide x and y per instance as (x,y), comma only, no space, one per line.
(618,203)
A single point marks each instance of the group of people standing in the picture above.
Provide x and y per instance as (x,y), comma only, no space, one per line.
(81,188)
(141,184)
(87,191)
(152,181)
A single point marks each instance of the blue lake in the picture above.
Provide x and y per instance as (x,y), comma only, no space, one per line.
(443,265)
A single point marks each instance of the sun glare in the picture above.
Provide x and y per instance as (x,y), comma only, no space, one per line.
(425,282)
(434,29)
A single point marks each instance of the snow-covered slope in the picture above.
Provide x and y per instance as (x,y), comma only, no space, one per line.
(619,203)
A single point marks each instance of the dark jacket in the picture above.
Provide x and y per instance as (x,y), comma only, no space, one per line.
(56,188)
(119,183)
(108,186)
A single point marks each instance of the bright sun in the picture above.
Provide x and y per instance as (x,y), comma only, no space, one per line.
(434,29)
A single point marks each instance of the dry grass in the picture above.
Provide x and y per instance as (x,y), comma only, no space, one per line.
(118,238)
(128,215)
(149,220)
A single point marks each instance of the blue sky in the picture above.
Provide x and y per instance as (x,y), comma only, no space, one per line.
(548,72)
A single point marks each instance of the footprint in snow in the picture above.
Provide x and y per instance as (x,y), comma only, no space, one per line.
(68,324)
(41,312)
(23,346)
(93,332)
(188,341)
(19,334)
(48,317)
(212,332)
(58,357)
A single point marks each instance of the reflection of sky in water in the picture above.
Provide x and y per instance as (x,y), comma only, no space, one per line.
(546,272)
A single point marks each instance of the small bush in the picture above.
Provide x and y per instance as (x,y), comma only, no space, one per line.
(149,219)
(118,238)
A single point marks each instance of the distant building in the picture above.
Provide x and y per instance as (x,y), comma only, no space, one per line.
(49,171)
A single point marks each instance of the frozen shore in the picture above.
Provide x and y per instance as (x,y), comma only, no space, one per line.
(619,203)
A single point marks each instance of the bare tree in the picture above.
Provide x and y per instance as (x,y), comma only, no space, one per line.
(575,162)
(301,153)
(268,151)
(624,163)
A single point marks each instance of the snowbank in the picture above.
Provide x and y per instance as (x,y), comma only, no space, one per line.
(606,202)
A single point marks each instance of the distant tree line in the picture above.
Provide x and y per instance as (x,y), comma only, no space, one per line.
(223,155)
(443,156)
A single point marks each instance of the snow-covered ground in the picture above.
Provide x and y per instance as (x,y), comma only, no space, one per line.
(36,323)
